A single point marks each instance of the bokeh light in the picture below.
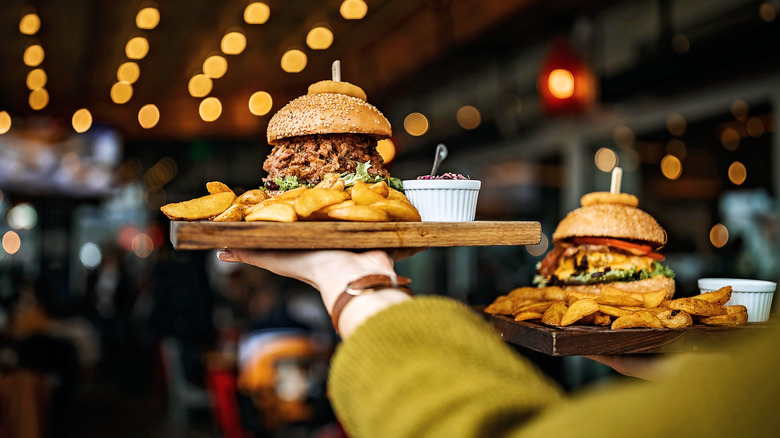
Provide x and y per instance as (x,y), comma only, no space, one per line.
(33,55)
(676,124)
(468,117)
(353,9)
(755,127)
(623,136)
(681,44)
(210,109)
(233,43)
(260,103)
(137,48)
(294,61)
(11,242)
(30,24)
(142,245)
(148,116)
(257,13)
(200,85)
(739,109)
(677,148)
(416,124)
(737,173)
(730,139)
(767,12)
(606,159)
(540,248)
(147,18)
(22,216)
(5,122)
(671,167)
(90,255)
(38,99)
(215,66)
(719,235)
(319,38)
(128,72)
(121,92)
(82,120)
(36,79)
(561,83)
(386,149)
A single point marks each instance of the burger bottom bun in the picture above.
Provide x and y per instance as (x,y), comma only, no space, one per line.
(639,286)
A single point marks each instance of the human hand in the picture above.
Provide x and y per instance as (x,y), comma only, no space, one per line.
(641,366)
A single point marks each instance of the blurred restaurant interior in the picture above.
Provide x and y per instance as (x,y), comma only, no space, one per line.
(111,109)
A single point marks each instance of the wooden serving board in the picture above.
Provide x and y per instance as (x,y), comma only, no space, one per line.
(579,340)
(351,235)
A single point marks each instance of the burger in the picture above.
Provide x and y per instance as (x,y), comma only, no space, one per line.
(332,129)
(612,244)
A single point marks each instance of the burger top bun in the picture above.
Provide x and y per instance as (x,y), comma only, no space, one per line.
(327,113)
(611,220)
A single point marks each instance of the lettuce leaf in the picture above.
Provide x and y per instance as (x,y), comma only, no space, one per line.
(612,275)
(361,174)
(289,182)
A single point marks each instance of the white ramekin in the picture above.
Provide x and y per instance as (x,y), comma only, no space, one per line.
(443,200)
(756,295)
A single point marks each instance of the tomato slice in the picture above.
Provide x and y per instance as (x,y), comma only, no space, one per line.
(639,249)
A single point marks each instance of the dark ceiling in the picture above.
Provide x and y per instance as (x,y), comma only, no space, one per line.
(84,43)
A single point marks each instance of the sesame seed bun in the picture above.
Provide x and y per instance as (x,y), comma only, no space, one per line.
(611,220)
(327,113)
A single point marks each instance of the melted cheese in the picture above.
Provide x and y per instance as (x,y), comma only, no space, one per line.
(600,261)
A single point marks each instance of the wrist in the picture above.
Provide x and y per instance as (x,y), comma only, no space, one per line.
(363,307)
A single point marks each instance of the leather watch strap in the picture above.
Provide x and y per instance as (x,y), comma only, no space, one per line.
(366,284)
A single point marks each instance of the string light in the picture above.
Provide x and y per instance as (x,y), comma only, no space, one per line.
(233,43)
(128,72)
(210,109)
(36,79)
(468,117)
(737,173)
(5,124)
(260,103)
(319,38)
(33,55)
(606,159)
(386,149)
(148,116)
(561,83)
(30,24)
(353,9)
(147,18)
(215,66)
(137,48)
(38,99)
(200,85)
(719,235)
(416,124)
(294,61)
(257,13)
(82,120)
(671,167)
(121,92)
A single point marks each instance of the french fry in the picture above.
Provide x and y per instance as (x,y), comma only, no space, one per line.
(671,318)
(719,297)
(578,310)
(359,213)
(642,318)
(214,187)
(696,307)
(398,211)
(278,212)
(554,313)
(314,199)
(234,213)
(363,195)
(525,316)
(199,208)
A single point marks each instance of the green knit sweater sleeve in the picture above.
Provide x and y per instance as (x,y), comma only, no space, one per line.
(431,367)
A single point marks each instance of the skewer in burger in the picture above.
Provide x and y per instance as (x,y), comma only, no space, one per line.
(607,241)
(332,129)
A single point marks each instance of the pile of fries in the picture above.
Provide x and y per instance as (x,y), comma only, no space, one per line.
(328,200)
(618,309)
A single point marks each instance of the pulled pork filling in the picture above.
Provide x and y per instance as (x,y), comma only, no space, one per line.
(310,157)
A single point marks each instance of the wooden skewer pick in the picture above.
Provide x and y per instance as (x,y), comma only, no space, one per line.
(617,175)
(335,71)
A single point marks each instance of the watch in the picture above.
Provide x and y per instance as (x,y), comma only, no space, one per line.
(365,285)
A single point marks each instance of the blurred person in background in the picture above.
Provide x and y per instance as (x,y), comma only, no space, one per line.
(438,369)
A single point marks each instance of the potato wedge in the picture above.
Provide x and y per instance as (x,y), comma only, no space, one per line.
(614,311)
(234,213)
(528,293)
(642,318)
(554,313)
(601,319)
(199,208)
(398,211)
(500,306)
(380,188)
(653,299)
(251,197)
(578,310)
(674,319)
(525,316)
(395,195)
(735,315)
(314,199)
(215,187)
(719,297)
(554,293)
(359,213)
(327,181)
(363,195)
(539,307)
(278,212)
(696,307)
(290,194)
